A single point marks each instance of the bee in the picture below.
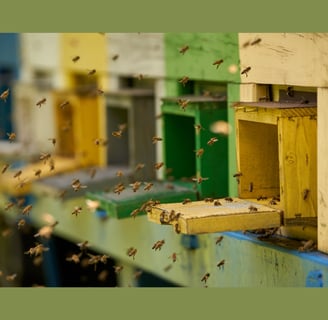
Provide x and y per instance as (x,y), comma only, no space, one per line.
(199,152)
(103,258)
(26,210)
(91,72)
(156,139)
(99,91)
(92,172)
(94,259)
(199,179)
(4,95)
(139,166)
(261,198)
(37,173)
(53,141)
(83,245)
(4,168)
(217,63)
(21,223)
(20,202)
(148,186)
(208,199)
(205,277)
(252,208)
(74,258)
(184,49)
(167,268)
(135,186)
(158,245)
(22,183)
(117,134)
(76,59)
(220,264)
(46,231)
(173,257)
(228,199)
(118,269)
(134,212)
(131,252)
(41,102)
(246,44)
(218,240)
(169,186)
(9,205)
(11,136)
(122,127)
(307,246)
(37,250)
(64,104)
(158,165)
(140,76)
(76,185)
(6,232)
(305,193)
(273,202)
(119,188)
(246,70)
(115,57)
(183,103)
(256,41)
(217,202)
(137,274)
(185,201)
(184,80)
(198,128)
(44,157)
(250,187)
(119,173)
(77,210)
(212,141)
(11,277)
(290,92)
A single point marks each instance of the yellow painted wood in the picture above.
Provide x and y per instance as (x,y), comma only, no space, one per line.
(298,165)
(205,217)
(322,169)
(11,185)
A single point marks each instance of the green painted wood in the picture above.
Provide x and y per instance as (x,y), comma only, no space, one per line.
(122,205)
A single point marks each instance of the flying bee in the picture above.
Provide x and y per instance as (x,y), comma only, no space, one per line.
(205,277)
(119,173)
(221,264)
(167,268)
(139,166)
(11,136)
(158,165)
(148,186)
(118,269)
(46,231)
(228,199)
(217,202)
(44,157)
(21,184)
(77,210)
(37,173)
(37,250)
(119,188)
(158,245)
(218,240)
(76,185)
(76,59)
(74,258)
(5,167)
(131,252)
(246,70)
(305,193)
(103,258)
(212,141)
(53,141)
(199,179)
(4,95)
(217,63)
(184,49)
(184,80)
(252,208)
(256,41)
(93,259)
(135,186)
(183,103)
(156,139)
(83,245)
(6,232)
(9,205)
(290,92)
(41,102)
(26,210)
(117,134)
(185,201)
(91,72)
(173,257)
(11,277)
(21,223)
(134,212)
(64,104)
(199,152)
(198,128)
(115,57)
(18,174)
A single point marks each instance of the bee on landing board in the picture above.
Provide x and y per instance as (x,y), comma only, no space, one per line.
(218,240)
(158,245)
(205,277)
(131,252)
(5,167)
(217,63)
(184,80)
(76,59)
(245,71)
(77,210)
(221,264)
(135,186)
(184,49)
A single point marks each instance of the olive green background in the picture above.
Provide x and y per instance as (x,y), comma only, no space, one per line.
(158,16)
